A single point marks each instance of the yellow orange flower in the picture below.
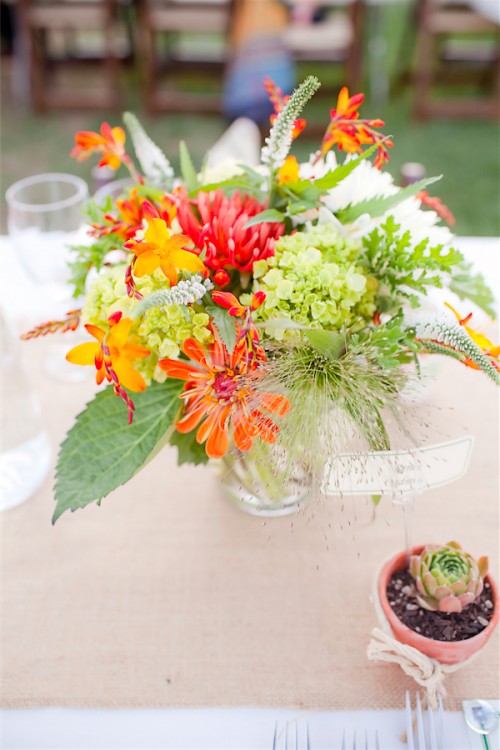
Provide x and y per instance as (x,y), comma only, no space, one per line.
(349,133)
(221,391)
(110,143)
(111,354)
(162,249)
(289,171)
(487,346)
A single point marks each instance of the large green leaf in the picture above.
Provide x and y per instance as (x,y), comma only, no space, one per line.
(189,451)
(378,206)
(102,451)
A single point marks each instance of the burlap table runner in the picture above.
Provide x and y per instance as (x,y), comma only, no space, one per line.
(168,596)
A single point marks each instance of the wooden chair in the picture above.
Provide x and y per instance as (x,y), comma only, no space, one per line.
(441,59)
(68,20)
(169,21)
(336,39)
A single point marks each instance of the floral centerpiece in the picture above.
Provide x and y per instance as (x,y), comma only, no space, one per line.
(256,315)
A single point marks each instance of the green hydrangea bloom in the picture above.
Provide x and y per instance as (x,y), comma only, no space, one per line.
(314,280)
(162,330)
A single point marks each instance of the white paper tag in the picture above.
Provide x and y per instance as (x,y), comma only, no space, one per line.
(398,472)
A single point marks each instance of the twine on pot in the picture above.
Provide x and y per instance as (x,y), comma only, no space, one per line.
(427,672)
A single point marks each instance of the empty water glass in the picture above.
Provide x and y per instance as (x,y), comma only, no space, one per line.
(45,218)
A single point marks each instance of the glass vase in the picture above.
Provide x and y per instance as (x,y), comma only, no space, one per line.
(266,480)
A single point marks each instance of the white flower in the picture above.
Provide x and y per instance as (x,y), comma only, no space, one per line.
(222,171)
(366,182)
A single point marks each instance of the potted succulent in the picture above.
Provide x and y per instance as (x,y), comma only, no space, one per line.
(439,600)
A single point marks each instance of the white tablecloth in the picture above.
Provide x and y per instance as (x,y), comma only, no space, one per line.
(204,729)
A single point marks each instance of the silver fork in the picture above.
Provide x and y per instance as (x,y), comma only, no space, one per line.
(291,735)
(435,727)
(366,746)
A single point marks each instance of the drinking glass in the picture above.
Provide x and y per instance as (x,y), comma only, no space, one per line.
(44,219)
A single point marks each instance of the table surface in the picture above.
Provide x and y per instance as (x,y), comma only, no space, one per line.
(168,597)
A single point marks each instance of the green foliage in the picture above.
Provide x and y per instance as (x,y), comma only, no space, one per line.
(269,215)
(402,270)
(330,179)
(225,324)
(86,257)
(249,182)
(388,345)
(101,451)
(378,206)
(472,286)
(187,168)
(189,451)
(328,343)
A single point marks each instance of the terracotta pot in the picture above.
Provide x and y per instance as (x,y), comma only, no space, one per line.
(446,652)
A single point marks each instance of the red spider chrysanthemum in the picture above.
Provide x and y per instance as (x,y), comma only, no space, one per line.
(216,222)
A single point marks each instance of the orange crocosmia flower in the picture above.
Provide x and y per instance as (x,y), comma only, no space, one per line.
(234,307)
(487,346)
(437,205)
(221,391)
(111,354)
(349,132)
(289,171)
(110,143)
(162,249)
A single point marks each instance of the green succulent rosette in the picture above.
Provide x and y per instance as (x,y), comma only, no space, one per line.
(447,578)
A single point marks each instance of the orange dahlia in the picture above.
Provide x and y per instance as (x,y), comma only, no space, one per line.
(221,390)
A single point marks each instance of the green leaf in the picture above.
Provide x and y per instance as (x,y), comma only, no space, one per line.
(328,343)
(187,168)
(102,451)
(472,286)
(189,451)
(331,179)
(225,324)
(269,215)
(378,206)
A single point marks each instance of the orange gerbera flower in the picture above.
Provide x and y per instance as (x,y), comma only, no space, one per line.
(350,133)
(111,354)
(487,346)
(220,391)
(162,249)
(110,142)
